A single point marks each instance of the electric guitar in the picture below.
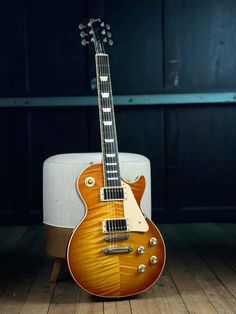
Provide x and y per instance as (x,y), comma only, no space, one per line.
(115,251)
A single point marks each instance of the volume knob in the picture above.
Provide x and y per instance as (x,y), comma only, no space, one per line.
(153,259)
(153,241)
(141,249)
(141,268)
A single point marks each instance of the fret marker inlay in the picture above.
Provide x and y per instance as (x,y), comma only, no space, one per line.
(103,78)
(110,155)
(109,140)
(105,95)
(106,109)
(107,123)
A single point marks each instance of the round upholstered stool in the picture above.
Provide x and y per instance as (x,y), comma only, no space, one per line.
(62,206)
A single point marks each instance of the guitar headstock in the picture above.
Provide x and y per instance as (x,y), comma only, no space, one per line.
(96,32)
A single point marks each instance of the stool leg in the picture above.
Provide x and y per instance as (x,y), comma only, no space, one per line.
(56,269)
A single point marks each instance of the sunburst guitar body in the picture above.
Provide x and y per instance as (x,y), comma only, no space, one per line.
(114,263)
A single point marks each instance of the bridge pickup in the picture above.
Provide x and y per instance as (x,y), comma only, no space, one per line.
(117,249)
(115,225)
(118,237)
(117,193)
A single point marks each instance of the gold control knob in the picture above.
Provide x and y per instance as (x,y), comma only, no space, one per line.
(153,259)
(141,268)
(153,241)
(141,249)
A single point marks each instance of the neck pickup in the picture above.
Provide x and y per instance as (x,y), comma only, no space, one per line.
(115,193)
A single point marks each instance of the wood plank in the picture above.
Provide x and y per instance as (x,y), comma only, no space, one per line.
(207,248)
(64,298)
(219,296)
(39,297)
(87,304)
(26,259)
(167,296)
(117,307)
(186,283)
(228,228)
(145,303)
(227,243)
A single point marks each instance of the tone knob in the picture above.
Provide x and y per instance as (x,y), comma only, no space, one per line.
(141,268)
(153,259)
(153,241)
(141,249)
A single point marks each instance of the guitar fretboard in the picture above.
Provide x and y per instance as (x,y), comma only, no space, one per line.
(107,122)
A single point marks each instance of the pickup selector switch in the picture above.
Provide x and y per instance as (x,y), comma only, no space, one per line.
(153,241)
(141,249)
(141,268)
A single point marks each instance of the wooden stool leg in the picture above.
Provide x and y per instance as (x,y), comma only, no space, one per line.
(56,269)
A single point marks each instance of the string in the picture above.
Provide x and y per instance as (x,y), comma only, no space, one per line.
(109,137)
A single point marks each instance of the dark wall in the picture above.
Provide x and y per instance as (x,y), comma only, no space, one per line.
(192,152)
(159,46)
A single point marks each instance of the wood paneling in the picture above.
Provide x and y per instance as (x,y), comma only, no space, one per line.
(191,148)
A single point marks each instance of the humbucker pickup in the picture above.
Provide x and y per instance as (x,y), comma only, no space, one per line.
(114,193)
(115,225)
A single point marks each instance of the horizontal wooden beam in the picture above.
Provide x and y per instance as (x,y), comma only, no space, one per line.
(157,99)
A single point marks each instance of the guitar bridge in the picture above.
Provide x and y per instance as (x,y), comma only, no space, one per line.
(118,249)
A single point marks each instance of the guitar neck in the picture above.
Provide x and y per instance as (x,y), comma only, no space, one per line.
(109,143)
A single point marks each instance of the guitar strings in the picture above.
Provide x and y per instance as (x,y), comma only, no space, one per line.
(106,135)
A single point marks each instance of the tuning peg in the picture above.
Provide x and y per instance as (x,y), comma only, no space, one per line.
(81,26)
(110,42)
(108,26)
(109,34)
(83,34)
(84,42)
(103,32)
(105,40)
(102,24)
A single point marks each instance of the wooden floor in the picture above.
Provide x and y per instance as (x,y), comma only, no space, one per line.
(199,276)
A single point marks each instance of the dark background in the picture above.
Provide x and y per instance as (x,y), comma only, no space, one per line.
(160,47)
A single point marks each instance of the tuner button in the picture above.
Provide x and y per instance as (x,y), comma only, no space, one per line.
(153,241)
(110,42)
(81,26)
(103,32)
(141,268)
(84,42)
(82,34)
(108,26)
(153,259)
(109,34)
(102,24)
(141,249)
(105,40)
